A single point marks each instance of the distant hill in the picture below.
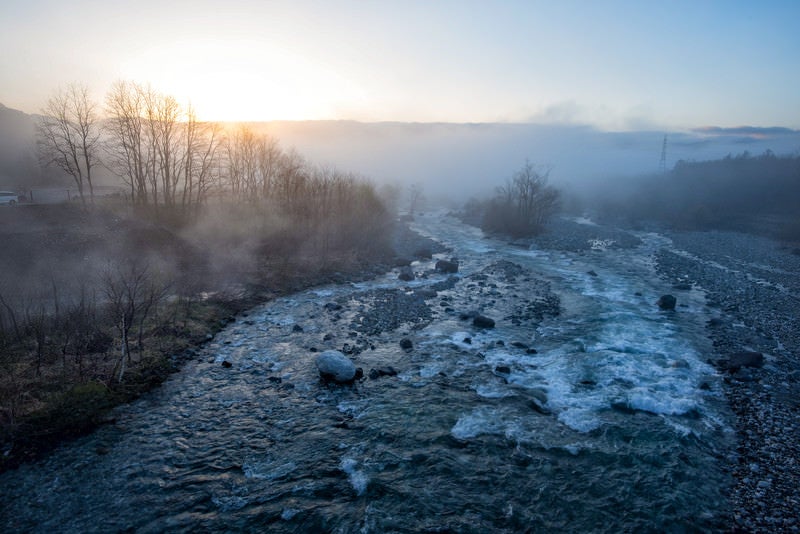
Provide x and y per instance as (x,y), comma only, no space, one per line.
(18,162)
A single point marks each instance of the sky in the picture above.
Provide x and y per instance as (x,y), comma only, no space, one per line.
(614,65)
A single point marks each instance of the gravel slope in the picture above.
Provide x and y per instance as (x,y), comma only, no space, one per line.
(753,285)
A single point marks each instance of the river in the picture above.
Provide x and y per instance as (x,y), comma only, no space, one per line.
(587,408)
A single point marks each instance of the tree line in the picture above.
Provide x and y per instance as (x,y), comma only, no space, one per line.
(738,192)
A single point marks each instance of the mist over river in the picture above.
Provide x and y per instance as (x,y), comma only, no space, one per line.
(586,408)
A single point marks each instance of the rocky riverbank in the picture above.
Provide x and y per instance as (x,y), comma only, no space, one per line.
(86,406)
(752,284)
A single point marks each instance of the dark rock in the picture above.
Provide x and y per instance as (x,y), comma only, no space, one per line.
(682,287)
(424,253)
(519,345)
(425,293)
(588,383)
(502,369)
(327,337)
(481,321)
(638,294)
(467,340)
(297,328)
(744,359)
(467,315)
(445,266)
(226,364)
(501,343)
(275,379)
(406,344)
(531,351)
(332,306)
(667,302)
(538,401)
(382,371)
(359,374)
(591,273)
(715,322)
(406,274)
(335,366)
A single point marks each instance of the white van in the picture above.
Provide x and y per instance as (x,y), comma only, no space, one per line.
(8,198)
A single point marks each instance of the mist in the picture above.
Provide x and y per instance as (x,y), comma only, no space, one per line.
(457,161)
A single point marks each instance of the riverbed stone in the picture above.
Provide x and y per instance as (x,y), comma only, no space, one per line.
(446,266)
(667,302)
(406,274)
(741,359)
(335,366)
(481,321)
(406,344)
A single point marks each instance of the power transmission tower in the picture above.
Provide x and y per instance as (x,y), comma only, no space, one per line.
(662,165)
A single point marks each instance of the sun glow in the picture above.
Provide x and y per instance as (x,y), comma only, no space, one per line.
(244,81)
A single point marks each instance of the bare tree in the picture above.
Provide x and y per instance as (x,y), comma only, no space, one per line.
(524,204)
(132,292)
(129,150)
(68,135)
(202,142)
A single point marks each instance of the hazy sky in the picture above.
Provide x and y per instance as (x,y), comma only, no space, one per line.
(618,65)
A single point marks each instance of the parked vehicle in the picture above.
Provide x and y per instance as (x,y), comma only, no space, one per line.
(8,198)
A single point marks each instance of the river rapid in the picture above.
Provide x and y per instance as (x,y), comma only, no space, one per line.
(586,408)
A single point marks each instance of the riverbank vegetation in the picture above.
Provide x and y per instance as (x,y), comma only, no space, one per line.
(759,194)
(100,298)
(520,208)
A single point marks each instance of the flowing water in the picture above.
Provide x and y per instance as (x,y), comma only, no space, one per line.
(614,423)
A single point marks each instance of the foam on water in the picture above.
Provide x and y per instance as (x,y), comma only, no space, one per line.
(357,477)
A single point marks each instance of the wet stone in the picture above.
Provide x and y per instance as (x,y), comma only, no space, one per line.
(667,302)
(481,321)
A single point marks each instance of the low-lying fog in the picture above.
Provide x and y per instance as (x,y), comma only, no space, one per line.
(455,161)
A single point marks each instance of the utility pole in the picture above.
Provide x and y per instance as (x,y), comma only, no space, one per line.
(662,165)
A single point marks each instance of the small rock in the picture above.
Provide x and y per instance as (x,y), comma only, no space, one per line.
(519,345)
(297,328)
(406,344)
(467,340)
(502,369)
(226,364)
(667,302)
(332,306)
(591,273)
(481,321)
(445,266)
(745,359)
(406,274)
(382,371)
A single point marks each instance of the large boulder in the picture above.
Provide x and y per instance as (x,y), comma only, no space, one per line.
(667,302)
(336,367)
(446,266)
